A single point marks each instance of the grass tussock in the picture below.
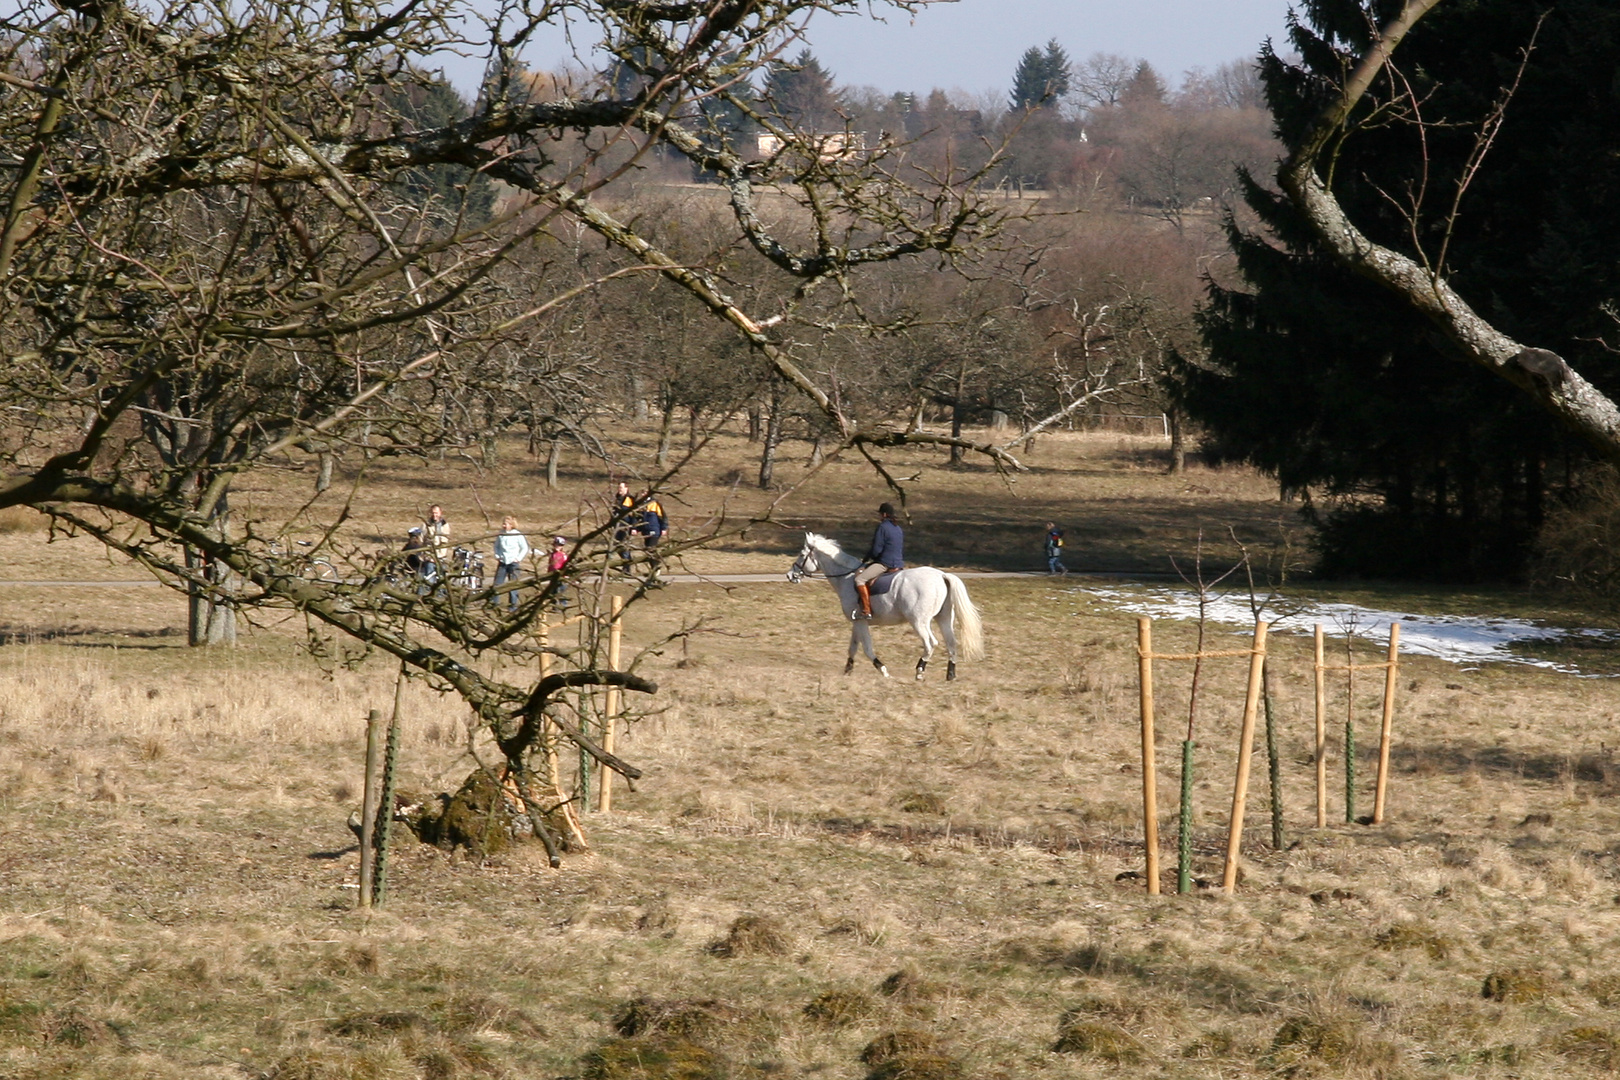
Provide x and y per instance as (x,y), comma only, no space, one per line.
(841,1008)
(754,935)
(653,1059)
(1105,1042)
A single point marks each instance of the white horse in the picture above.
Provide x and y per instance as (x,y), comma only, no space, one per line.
(918,595)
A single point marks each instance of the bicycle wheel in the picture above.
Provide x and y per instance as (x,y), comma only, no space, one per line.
(321,570)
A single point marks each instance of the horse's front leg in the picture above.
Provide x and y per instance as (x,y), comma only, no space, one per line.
(862,635)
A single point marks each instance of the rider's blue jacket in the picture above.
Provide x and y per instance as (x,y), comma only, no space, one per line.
(886,546)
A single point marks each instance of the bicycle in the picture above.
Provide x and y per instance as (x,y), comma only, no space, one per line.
(304,564)
(467,569)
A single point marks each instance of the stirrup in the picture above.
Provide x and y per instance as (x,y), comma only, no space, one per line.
(859,616)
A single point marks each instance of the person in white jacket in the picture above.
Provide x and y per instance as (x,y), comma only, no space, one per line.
(511,548)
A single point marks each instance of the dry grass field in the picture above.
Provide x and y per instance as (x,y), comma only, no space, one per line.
(819,876)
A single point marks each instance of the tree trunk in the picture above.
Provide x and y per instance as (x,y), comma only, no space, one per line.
(956,432)
(638,399)
(772,435)
(211,620)
(756,421)
(666,428)
(1178,443)
(694,434)
(323,474)
(815,452)
(552,460)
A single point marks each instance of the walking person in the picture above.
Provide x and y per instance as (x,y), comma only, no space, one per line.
(885,557)
(511,548)
(556,563)
(624,509)
(651,523)
(1054,549)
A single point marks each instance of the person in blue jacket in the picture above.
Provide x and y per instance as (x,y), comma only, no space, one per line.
(885,557)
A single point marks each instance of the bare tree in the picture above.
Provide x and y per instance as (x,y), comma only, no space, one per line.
(208,265)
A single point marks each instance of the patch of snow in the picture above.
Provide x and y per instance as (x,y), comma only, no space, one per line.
(1460,639)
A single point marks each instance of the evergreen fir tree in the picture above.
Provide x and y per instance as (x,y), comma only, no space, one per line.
(1433,468)
(1042,78)
(802,92)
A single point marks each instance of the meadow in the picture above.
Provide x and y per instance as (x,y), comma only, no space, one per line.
(818,876)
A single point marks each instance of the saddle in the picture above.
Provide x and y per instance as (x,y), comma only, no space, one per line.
(883,582)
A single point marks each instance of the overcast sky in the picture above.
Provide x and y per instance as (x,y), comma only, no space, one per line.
(974,45)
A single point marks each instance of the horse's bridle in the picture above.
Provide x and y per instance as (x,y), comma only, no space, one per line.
(798,571)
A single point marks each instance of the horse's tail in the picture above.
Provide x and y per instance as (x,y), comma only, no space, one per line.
(969,630)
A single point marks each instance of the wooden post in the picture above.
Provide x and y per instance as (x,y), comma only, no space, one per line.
(1240,789)
(1350,729)
(1321,733)
(1390,674)
(604,800)
(368,804)
(1150,782)
(548,734)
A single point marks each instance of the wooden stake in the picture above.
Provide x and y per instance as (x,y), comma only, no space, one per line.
(1321,733)
(1240,789)
(1150,782)
(1390,674)
(604,801)
(548,734)
(368,805)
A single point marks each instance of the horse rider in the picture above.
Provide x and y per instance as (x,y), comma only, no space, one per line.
(884,558)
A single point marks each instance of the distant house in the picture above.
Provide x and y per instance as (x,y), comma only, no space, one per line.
(830,146)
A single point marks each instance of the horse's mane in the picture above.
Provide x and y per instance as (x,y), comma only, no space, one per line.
(829,547)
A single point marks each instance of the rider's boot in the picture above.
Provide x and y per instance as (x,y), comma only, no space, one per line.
(864,594)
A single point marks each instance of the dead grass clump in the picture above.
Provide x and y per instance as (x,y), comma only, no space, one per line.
(917,1067)
(1305,1045)
(691,1020)
(1032,951)
(1411,935)
(754,935)
(1517,986)
(372,1025)
(1079,1035)
(74,1028)
(1211,1044)
(1605,990)
(652,1059)
(331,1063)
(909,986)
(1597,1046)
(893,1044)
(921,802)
(475,1014)
(840,1008)
(658,918)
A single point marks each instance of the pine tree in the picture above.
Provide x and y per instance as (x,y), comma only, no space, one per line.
(802,92)
(1042,79)
(1439,469)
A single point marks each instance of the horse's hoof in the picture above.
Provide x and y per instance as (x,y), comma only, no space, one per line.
(881,669)
(950,671)
(849,667)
